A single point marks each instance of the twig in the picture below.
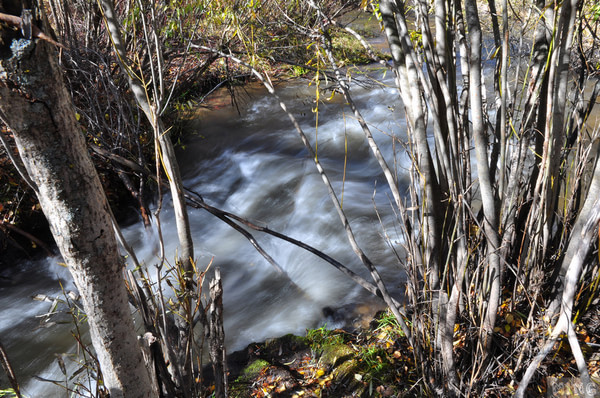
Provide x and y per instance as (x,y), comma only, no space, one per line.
(564,323)
(16,21)
(371,288)
(16,161)
(29,236)
(9,371)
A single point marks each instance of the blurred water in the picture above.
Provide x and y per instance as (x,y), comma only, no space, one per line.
(249,160)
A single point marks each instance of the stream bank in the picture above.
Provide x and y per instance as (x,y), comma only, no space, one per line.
(377,361)
(371,361)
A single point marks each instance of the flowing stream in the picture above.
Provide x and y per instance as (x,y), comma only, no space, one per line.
(250,161)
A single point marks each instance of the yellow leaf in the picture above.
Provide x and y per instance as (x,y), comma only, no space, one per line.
(320,373)
(77,116)
(507,328)
(495,54)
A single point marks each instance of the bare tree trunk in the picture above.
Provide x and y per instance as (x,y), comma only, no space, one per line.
(584,233)
(36,106)
(186,254)
(216,336)
(555,125)
(150,102)
(491,294)
(411,92)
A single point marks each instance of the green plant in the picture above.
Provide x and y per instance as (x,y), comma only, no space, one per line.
(318,338)
(8,393)
(595,12)
(387,321)
(252,370)
(349,51)
(375,363)
(298,71)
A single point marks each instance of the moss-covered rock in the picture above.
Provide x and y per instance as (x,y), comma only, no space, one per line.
(374,362)
(336,354)
(345,369)
(240,387)
(254,368)
(279,346)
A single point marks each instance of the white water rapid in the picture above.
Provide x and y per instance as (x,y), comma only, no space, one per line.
(251,163)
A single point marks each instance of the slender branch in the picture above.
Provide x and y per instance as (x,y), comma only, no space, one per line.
(27,235)
(10,373)
(564,322)
(197,201)
(17,163)
(36,33)
(345,222)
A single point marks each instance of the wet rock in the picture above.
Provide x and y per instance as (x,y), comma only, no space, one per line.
(352,317)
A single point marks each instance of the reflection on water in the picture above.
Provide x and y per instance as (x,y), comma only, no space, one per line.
(251,163)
